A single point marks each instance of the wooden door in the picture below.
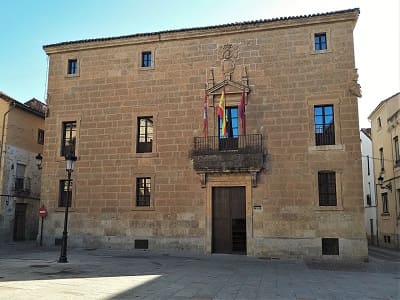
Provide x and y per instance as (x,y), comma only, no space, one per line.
(229,220)
(19,222)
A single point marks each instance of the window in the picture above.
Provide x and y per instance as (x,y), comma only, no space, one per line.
(72,67)
(230,141)
(379,122)
(330,246)
(396,150)
(143,191)
(382,159)
(320,41)
(324,125)
(145,135)
(65,194)
(327,188)
(385,205)
(368,199)
(40,138)
(146,59)
(369,171)
(20,183)
(68,137)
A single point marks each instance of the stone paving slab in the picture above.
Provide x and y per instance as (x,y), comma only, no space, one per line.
(30,272)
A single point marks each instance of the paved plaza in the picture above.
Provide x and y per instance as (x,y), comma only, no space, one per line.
(31,272)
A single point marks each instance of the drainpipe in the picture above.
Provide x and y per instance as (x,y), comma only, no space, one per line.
(11,107)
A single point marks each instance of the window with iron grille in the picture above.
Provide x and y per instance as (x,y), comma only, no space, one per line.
(327,188)
(146,59)
(143,191)
(145,135)
(72,67)
(20,178)
(40,138)
(324,125)
(65,194)
(320,42)
(382,159)
(330,246)
(68,137)
(385,205)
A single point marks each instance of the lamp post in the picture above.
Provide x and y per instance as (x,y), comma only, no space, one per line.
(70,158)
(384,187)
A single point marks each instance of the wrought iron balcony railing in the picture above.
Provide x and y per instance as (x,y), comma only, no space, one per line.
(245,144)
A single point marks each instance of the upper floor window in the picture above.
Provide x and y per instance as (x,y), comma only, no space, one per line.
(229,140)
(385,205)
(146,59)
(145,135)
(68,141)
(65,194)
(327,188)
(320,42)
(396,150)
(382,159)
(72,67)
(379,122)
(40,137)
(143,191)
(324,125)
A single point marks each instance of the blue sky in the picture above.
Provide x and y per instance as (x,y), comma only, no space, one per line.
(25,26)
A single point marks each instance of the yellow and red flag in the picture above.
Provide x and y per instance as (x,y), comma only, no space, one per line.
(221,113)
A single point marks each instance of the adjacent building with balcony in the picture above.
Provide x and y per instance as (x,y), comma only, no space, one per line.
(385,131)
(22,138)
(238,138)
(368,185)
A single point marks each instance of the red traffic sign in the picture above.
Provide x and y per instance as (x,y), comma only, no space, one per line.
(42,212)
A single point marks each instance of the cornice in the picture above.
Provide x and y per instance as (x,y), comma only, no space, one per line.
(203,32)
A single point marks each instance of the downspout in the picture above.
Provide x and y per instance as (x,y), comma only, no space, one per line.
(11,107)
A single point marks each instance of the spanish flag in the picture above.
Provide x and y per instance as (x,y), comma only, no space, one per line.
(221,112)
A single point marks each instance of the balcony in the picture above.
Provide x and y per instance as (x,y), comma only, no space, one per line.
(213,154)
(22,186)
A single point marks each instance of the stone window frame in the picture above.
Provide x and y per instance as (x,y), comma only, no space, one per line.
(78,67)
(334,100)
(143,113)
(385,204)
(140,57)
(58,208)
(339,190)
(40,136)
(59,134)
(329,45)
(152,177)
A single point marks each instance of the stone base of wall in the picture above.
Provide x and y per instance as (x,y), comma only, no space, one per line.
(170,245)
(310,248)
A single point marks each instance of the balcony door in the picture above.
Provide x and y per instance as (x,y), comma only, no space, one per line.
(230,140)
(229,220)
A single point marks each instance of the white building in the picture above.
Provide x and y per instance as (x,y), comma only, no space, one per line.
(368,185)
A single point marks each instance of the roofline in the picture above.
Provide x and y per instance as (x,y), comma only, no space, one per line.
(22,105)
(365,132)
(191,32)
(381,104)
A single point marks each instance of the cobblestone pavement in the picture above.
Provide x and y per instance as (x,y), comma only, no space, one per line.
(31,272)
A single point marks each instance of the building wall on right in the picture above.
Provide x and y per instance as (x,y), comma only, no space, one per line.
(385,132)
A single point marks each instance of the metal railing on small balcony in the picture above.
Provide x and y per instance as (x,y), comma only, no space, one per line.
(251,143)
(324,135)
(22,184)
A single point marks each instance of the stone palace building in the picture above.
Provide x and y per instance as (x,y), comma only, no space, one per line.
(282,178)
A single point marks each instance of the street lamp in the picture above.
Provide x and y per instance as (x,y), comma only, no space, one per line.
(384,187)
(70,158)
(39,159)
